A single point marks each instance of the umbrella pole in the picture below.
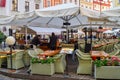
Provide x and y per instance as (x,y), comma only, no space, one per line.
(67,34)
(25,34)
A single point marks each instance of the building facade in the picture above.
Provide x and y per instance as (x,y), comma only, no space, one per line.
(116,3)
(86,4)
(9,7)
(48,3)
(16,6)
(101,5)
(98,5)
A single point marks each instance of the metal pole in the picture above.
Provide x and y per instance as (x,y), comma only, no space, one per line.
(67,64)
(26,33)
(91,34)
(67,34)
(11,56)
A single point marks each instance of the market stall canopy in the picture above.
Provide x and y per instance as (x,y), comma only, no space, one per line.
(48,31)
(116,30)
(112,12)
(95,18)
(55,11)
(57,15)
(54,17)
(58,10)
(90,13)
(29,31)
(109,17)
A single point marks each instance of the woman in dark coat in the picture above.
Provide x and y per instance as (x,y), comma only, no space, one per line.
(53,41)
(36,40)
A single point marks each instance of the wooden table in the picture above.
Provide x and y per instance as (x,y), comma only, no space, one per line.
(99,45)
(98,54)
(8,52)
(49,53)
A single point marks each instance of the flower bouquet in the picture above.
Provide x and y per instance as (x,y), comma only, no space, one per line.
(43,59)
(43,65)
(107,68)
(113,61)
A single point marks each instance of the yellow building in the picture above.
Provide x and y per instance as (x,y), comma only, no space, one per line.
(86,4)
(116,3)
(98,5)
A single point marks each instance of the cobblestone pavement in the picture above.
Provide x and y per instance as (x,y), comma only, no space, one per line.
(2,77)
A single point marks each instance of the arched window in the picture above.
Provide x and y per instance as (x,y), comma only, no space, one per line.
(26,6)
(75,1)
(36,6)
(65,1)
(70,1)
(14,5)
(48,3)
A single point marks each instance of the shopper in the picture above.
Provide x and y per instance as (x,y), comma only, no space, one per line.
(53,41)
(75,48)
(36,40)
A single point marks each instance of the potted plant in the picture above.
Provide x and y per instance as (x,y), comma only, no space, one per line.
(43,65)
(107,68)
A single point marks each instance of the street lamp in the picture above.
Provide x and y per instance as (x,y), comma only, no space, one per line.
(10,40)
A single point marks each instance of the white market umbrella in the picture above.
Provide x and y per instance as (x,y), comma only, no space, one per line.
(58,10)
(116,30)
(112,12)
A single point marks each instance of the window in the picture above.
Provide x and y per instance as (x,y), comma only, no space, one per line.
(119,1)
(75,1)
(36,6)
(65,1)
(48,3)
(14,5)
(95,6)
(102,7)
(56,3)
(26,6)
(70,1)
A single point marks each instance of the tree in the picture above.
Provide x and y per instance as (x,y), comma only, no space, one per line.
(2,37)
